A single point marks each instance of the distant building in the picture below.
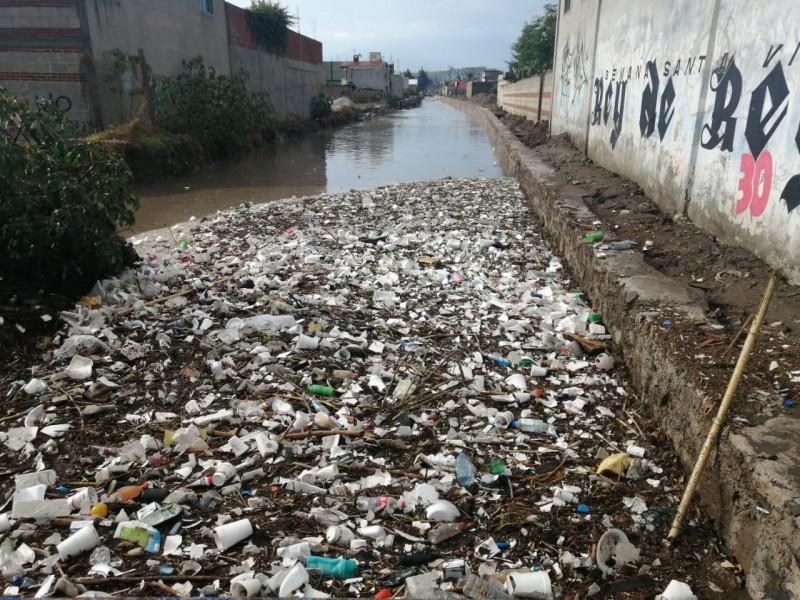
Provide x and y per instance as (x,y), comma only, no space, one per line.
(491,74)
(374,74)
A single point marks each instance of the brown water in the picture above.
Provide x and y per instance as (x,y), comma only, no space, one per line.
(429,142)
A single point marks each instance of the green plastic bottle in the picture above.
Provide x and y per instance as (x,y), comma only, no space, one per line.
(321,390)
(595,236)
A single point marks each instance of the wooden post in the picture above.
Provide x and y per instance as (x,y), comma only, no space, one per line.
(713,433)
(146,89)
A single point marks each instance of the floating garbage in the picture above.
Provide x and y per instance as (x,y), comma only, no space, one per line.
(336,395)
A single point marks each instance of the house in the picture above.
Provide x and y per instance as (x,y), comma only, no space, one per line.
(373,74)
(491,74)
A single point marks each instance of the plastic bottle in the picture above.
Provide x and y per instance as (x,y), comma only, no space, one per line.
(365,503)
(445,531)
(127,493)
(477,588)
(465,470)
(534,426)
(321,390)
(595,236)
(499,360)
(622,245)
(341,568)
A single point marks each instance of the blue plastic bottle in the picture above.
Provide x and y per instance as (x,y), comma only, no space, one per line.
(341,568)
(465,470)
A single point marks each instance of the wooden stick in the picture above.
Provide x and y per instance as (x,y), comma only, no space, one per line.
(89,581)
(165,588)
(738,335)
(323,432)
(713,433)
(126,311)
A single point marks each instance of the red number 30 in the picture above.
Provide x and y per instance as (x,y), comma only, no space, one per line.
(755,183)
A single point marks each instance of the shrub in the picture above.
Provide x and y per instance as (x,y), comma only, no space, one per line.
(62,199)
(269,22)
(321,106)
(216,109)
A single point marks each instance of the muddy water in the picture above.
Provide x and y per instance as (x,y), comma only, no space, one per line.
(429,142)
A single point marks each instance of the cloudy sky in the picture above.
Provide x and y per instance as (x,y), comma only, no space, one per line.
(433,34)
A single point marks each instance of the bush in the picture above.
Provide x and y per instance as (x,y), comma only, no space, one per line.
(216,109)
(321,106)
(269,21)
(61,200)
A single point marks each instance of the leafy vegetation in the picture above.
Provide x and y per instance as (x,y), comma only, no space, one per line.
(321,106)
(532,53)
(269,23)
(62,199)
(217,110)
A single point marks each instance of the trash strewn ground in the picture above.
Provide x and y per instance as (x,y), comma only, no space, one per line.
(403,379)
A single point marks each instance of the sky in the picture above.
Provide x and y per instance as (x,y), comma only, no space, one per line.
(432,34)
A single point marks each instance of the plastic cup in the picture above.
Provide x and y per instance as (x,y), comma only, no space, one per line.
(247,588)
(230,534)
(517,380)
(306,342)
(537,371)
(81,541)
(85,494)
(266,445)
(503,419)
(339,535)
(5,523)
(301,421)
(529,585)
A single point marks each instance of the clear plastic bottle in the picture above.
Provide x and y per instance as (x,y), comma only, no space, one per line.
(478,588)
(366,503)
(465,470)
(445,531)
(534,426)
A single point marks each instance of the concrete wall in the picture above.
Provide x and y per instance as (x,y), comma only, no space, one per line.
(42,50)
(696,102)
(372,77)
(522,97)
(291,80)
(480,87)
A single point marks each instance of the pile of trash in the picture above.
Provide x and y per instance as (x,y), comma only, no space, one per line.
(377,393)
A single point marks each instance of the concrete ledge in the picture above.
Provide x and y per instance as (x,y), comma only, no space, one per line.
(755,470)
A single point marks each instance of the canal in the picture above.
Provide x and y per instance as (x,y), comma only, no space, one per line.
(429,142)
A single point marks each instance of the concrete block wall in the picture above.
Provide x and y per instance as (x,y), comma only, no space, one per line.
(522,97)
(291,80)
(698,103)
(42,53)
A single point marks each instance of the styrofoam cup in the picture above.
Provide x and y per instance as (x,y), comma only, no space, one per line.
(537,371)
(339,535)
(247,588)
(81,541)
(266,445)
(232,533)
(306,342)
(530,585)
(5,523)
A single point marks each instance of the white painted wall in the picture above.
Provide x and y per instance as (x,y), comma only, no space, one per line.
(674,87)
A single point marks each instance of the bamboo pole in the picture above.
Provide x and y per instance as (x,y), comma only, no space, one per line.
(713,433)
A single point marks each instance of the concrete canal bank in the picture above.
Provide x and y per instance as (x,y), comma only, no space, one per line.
(750,485)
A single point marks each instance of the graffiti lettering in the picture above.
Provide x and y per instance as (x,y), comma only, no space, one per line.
(755,133)
(666,112)
(619,109)
(575,70)
(791,192)
(607,105)
(755,183)
(728,90)
(598,101)
(647,114)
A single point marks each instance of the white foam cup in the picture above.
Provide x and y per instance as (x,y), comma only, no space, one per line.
(530,585)
(246,588)
(232,533)
(81,541)
(87,494)
(339,535)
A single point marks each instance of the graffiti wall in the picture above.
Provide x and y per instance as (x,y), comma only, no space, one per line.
(696,102)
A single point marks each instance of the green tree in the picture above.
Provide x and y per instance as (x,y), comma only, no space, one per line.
(408,74)
(62,199)
(269,22)
(470,75)
(423,81)
(532,53)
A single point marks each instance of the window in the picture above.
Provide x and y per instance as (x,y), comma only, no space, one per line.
(567,5)
(207,6)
